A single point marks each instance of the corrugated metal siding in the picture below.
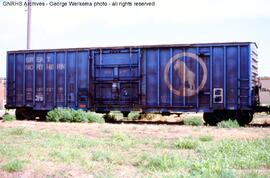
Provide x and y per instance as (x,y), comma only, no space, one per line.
(226,69)
(253,70)
(198,77)
(48,80)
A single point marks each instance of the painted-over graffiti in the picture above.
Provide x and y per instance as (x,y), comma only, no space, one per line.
(185,75)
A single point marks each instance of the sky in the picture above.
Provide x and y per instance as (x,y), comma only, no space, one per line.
(168,22)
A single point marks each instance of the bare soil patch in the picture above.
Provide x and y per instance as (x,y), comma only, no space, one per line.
(163,131)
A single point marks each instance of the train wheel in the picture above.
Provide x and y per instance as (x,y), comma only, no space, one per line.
(30,114)
(125,113)
(42,115)
(108,117)
(214,117)
(19,114)
(244,117)
(25,114)
(209,118)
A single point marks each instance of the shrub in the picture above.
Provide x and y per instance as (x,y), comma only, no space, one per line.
(195,121)
(134,116)
(56,115)
(228,124)
(69,115)
(92,117)
(109,117)
(8,117)
(185,144)
(79,116)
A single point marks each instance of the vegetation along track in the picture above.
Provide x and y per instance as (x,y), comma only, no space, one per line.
(49,149)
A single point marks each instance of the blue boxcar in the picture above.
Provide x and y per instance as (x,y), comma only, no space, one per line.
(219,79)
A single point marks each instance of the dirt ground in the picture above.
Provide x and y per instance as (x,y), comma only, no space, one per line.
(167,127)
(155,129)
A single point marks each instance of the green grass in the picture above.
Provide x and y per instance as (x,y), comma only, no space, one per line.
(186,143)
(122,140)
(9,117)
(13,166)
(228,124)
(254,174)
(101,156)
(206,138)
(21,148)
(230,155)
(195,121)
(108,157)
(17,131)
(119,136)
(156,162)
(161,144)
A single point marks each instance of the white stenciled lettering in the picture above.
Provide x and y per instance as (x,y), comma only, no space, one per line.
(39,59)
(60,66)
(29,60)
(39,97)
(49,59)
(49,66)
(39,89)
(29,67)
(49,89)
(39,67)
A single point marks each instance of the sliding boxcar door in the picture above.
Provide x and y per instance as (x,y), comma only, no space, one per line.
(116,77)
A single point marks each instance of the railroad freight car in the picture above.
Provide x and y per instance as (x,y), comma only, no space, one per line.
(219,79)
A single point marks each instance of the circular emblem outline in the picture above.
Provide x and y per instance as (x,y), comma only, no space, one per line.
(186,91)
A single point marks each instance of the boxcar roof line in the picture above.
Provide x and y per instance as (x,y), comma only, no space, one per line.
(139,46)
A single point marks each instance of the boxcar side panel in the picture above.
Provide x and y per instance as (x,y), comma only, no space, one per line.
(39,80)
(19,79)
(82,79)
(198,77)
(29,78)
(164,94)
(71,79)
(217,78)
(60,79)
(231,76)
(203,75)
(11,80)
(152,77)
(49,80)
(207,78)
